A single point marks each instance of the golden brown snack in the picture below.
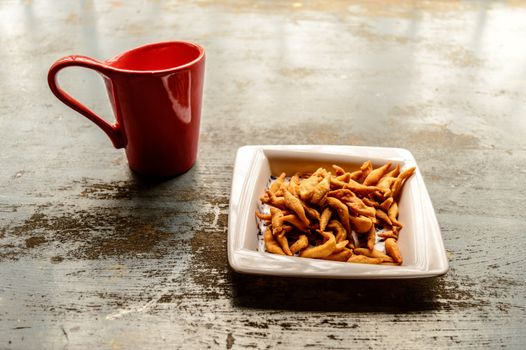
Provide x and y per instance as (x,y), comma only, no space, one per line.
(321,189)
(294,185)
(323,250)
(393,214)
(338,170)
(306,188)
(300,244)
(284,244)
(387,204)
(373,254)
(361,199)
(391,248)
(387,234)
(325,217)
(371,238)
(362,259)
(270,243)
(265,217)
(374,176)
(276,185)
(342,211)
(276,220)
(295,221)
(337,227)
(340,246)
(294,204)
(399,183)
(361,223)
(380,214)
(343,255)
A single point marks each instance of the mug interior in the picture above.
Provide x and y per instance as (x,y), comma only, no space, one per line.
(155,57)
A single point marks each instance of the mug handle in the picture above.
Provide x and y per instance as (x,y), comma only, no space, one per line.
(114,132)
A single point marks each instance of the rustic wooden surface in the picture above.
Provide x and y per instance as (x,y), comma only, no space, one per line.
(93,257)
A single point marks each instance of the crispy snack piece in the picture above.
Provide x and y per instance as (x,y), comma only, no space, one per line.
(362,259)
(306,188)
(270,243)
(293,219)
(276,221)
(323,250)
(371,238)
(361,223)
(398,184)
(342,211)
(276,185)
(387,204)
(393,214)
(294,185)
(337,227)
(262,216)
(391,248)
(380,214)
(300,244)
(374,176)
(321,189)
(311,212)
(373,254)
(294,204)
(366,168)
(340,246)
(284,243)
(338,170)
(387,234)
(325,217)
(343,255)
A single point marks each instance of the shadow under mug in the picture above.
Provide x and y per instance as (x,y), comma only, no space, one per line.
(156,95)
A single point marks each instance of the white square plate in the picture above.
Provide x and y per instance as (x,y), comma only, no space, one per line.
(420,240)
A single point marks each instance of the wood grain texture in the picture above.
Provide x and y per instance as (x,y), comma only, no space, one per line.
(92,256)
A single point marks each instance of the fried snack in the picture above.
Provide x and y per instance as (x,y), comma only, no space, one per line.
(374,176)
(338,170)
(343,255)
(340,246)
(306,188)
(294,185)
(342,211)
(270,243)
(373,254)
(325,217)
(338,228)
(322,250)
(294,204)
(276,220)
(365,201)
(371,238)
(293,219)
(284,244)
(387,234)
(380,214)
(361,223)
(321,189)
(385,205)
(391,248)
(300,244)
(393,214)
(362,259)
(265,217)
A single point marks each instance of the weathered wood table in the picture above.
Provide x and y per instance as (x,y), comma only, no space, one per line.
(93,257)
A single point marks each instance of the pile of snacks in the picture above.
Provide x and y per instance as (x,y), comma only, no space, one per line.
(336,215)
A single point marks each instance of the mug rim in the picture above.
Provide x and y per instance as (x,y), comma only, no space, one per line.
(108,62)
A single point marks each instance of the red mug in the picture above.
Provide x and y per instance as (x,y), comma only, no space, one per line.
(156,94)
